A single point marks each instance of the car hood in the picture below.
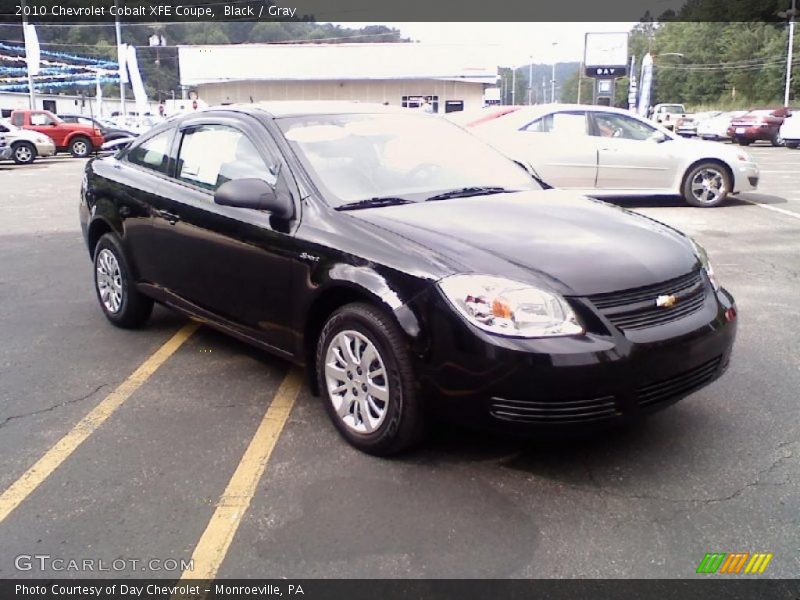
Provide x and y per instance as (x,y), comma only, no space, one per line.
(574,245)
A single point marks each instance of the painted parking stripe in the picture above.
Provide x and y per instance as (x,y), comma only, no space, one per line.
(235,500)
(783,211)
(44,467)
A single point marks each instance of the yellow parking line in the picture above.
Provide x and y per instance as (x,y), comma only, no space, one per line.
(215,541)
(44,467)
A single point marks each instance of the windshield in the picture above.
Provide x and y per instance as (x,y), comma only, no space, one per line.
(673,108)
(402,156)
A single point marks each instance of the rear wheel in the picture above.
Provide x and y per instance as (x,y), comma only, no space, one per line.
(80,147)
(365,376)
(743,142)
(777,140)
(24,153)
(706,185)
(119,299)
(792,145)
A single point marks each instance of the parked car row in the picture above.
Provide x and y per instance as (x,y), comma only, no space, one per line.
(31,134)
(773,125)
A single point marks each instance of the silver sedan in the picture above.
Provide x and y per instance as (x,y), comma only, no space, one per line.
(608,152)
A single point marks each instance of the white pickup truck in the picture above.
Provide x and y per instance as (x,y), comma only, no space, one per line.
(666,114)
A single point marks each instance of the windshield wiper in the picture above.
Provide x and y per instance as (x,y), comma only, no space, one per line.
(466,192)
(374,203)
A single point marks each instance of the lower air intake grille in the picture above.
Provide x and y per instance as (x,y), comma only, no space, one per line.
(678,385)
(572,411)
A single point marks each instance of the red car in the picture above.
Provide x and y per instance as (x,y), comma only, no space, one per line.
(79,140)
(761,124)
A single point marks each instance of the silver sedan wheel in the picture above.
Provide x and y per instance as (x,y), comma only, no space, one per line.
(23,154)
(357,382)
(108,279)
(708,185)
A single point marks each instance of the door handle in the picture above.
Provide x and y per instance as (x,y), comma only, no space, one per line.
(171,218)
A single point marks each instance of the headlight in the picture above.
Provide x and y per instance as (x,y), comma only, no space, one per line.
(702,255)
(509,307)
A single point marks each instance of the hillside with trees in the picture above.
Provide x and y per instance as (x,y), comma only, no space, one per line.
(705,64)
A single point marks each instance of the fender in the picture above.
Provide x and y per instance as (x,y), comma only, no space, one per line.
(366,281)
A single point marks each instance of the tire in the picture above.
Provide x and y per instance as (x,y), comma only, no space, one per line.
(743,142)
(776,140)
(706,184)
(116,291)
(24,153)
(792,145)
(80,147)
(392,423)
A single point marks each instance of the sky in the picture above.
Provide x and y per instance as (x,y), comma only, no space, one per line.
(513,43)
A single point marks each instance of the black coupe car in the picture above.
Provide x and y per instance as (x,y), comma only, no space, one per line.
(410,267)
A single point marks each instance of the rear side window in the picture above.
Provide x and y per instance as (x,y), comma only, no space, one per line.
(570,123)
(211,155)
(18,119)
(153,153)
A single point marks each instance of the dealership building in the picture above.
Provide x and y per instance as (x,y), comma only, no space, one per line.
(449,77)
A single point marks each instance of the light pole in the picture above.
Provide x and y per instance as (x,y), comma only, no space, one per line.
(530,80)
(553,78)
(118,31)
(514,86)
(790,14)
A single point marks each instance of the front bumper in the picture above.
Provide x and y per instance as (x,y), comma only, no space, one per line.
(45,149)
(746,176)
(573,383)
(5,153)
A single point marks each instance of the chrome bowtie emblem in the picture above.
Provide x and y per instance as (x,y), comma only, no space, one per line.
(666,301)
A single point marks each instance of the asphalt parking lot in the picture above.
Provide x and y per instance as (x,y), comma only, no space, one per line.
(718,472)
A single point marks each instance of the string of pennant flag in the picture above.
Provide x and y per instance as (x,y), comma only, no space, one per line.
(53,69)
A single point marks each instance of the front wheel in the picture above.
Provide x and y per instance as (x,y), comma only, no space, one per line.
(743,142)
(792,145)
(119,299)
(24,153)
(80,147)
(777,140)
(706,185)
(366,379)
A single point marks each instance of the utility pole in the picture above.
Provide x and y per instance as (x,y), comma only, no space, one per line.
(553,80)
(513,86)
(530,81)
(118,30)
(580,78)
(31,89)
(790,14)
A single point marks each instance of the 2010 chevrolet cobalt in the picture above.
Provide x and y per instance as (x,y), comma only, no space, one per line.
(413,270)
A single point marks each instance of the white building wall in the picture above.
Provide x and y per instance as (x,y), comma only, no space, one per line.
(378,91)
(69,104)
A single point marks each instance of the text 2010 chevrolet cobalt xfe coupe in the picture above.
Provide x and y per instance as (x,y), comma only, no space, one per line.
(410,267)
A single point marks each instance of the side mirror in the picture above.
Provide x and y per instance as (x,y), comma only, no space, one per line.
(253,193)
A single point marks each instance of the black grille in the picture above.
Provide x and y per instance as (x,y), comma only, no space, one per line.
(571,411)
(678,385)
(636,308)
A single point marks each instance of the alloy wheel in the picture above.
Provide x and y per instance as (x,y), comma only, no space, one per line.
(357,381)
(108,279)
(708,185)
(23,154)
(80,148)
